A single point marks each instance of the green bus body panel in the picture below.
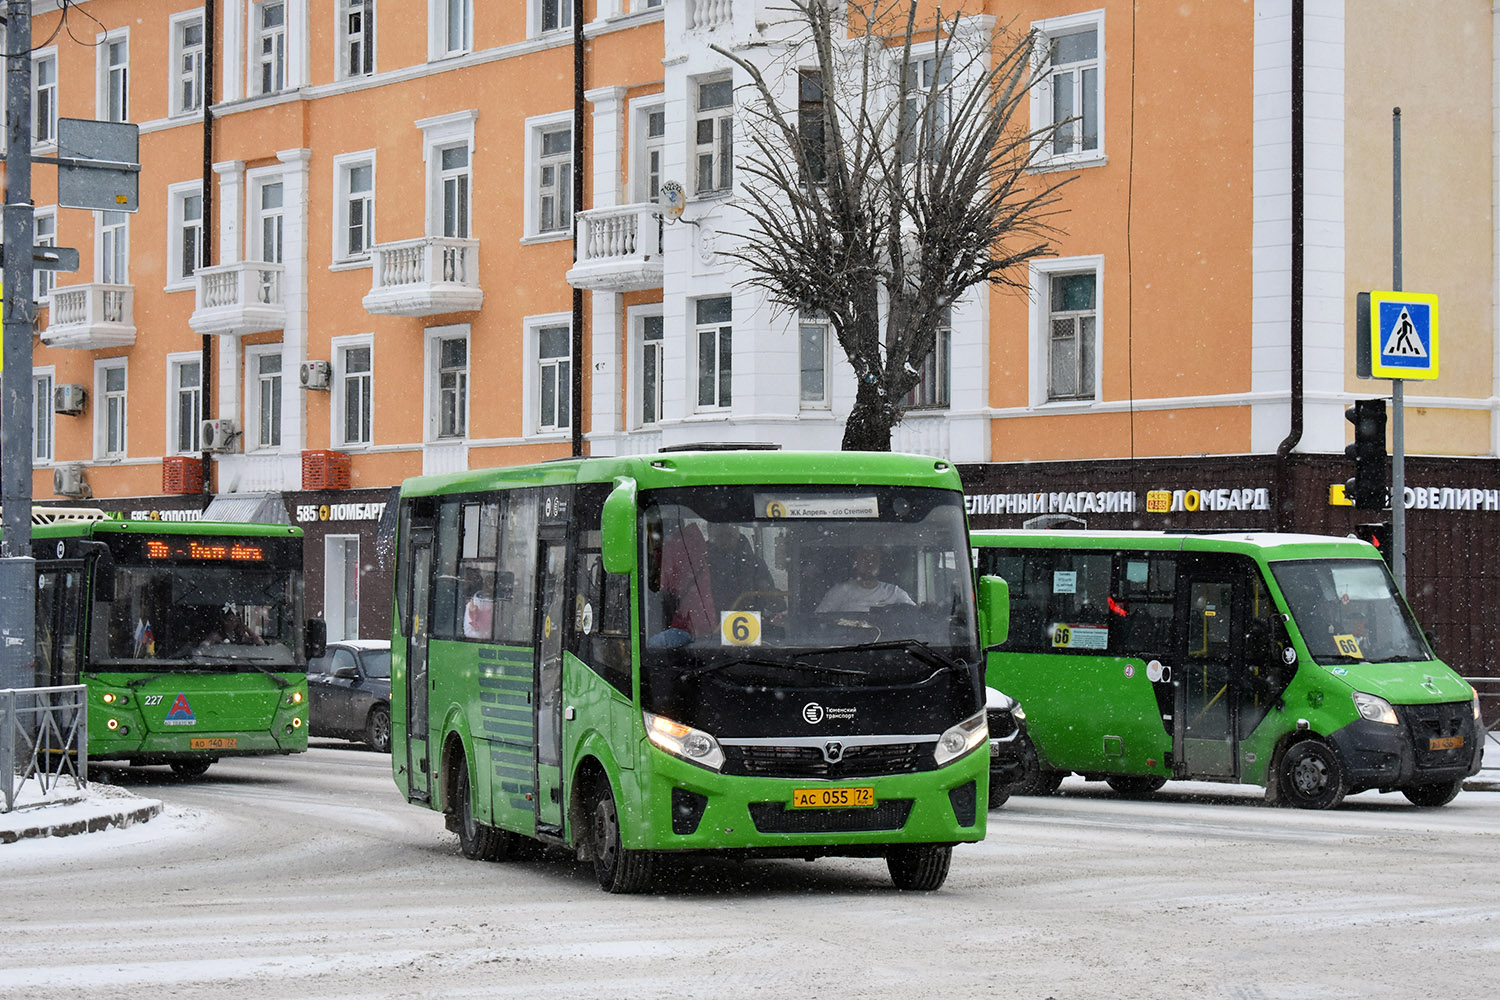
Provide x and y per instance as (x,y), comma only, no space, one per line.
(1074,701)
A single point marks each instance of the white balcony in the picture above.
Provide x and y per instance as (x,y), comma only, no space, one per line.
(424,277)
(619,249)
(241,298)
(88,317)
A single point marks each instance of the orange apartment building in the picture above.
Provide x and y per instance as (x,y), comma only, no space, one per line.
(386,192)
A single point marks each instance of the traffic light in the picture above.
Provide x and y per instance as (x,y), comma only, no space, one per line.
(1369,487)
(1378,535)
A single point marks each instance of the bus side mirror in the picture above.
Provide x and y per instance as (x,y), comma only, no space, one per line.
(617,527)
(316,642)
(994,612)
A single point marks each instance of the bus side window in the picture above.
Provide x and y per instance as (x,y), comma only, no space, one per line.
(601,616)
(446,602)
(514,618)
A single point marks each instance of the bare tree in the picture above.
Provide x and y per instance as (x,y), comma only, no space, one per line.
(884,184)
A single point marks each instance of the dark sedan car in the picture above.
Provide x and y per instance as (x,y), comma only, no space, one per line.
(349,692)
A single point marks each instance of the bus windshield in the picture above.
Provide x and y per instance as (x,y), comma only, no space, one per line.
(1348,611)
(752,579)
(228,617)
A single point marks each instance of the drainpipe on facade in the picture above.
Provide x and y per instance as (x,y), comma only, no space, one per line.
(577,339)
(206,378)
(1285,505)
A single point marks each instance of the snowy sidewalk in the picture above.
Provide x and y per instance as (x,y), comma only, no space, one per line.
(67,810)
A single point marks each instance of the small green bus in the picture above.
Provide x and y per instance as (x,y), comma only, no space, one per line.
(1289,661)
(189,635)
(630,656)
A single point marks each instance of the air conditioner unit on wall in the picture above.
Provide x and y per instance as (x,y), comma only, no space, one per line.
(69,399)
(219,435)
(68,481)
(315,374)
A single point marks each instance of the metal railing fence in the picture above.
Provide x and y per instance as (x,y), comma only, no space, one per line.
(1489,708)
(43,738)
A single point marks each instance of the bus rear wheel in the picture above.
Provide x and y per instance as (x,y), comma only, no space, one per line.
(190,768)
(1439,794)
(618,868)
(1136,786)
(919,866)
(1311,776)
(478,841)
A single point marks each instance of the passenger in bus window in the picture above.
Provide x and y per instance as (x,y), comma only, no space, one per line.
(479,610)
(866,590)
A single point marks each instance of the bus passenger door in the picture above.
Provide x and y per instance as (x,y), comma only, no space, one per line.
(417,684)
(1210,620)
(59,623)
(552,565)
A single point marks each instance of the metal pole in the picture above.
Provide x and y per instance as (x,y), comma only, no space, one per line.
(17,569)
(1398,422)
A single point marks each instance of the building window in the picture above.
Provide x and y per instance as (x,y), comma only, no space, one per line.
(1071,95)
(1072,317)
(269,59)
(187,387)
(813,337)
(42,419)
(187,64)
(714,136)
(652,123)
(453,179)
(715,343)
(185,215)
(356,389)
(44,279)
(114,248)
(44,98)
(557,14)
(924,111)
(936,374)
(114,78)
(341,586)
(651,369)
(110,391)
(453,27)
(355,210)
(555,181)
(266,382)
(356,38)
(451,387)
(810,122)
(270,223)
(554,357)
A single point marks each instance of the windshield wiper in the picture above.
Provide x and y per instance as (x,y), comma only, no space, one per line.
(915,647)
(762,661)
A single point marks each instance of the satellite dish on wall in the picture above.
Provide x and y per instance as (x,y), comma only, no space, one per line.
(671,200)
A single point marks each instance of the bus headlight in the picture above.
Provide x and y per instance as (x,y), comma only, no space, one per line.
(295,698)
(110,698)
(1374,708)
(962,738)
(690,744)
(1477,719)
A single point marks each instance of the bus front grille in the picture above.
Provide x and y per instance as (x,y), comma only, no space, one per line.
(775,817)
(1441,722)
(811,762)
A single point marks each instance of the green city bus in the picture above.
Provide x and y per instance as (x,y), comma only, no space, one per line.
(629,656)
(1289,661)
(189,635)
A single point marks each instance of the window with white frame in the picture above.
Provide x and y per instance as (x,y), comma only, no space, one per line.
(355,385)
(447,150)
(42,418)
(268,60)
(715,351)
(935,379)
(554,381)
(185,231)
(1071,329)
(713,135)
(651,141)
(555,180)
(452,27)
(187,64)
(114,248)
(268,228)
(114,77)
(810,123)
(652,369)
(341,586)
(44,279)
(354,210)
(1071,94)
(265,394)
(813,336)
(454,179)
(185,381)
(110,386)
(925,107)
(450,386)
(44,97)
(356,38)
(556,14)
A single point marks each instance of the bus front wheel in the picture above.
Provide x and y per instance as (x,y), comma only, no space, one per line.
(919,866)
(195,768)
(478,841)
(1311,776)
(1439,794)
(1135,786)
(618,868)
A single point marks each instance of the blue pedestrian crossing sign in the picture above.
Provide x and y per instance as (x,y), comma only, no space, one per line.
(1403,335)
